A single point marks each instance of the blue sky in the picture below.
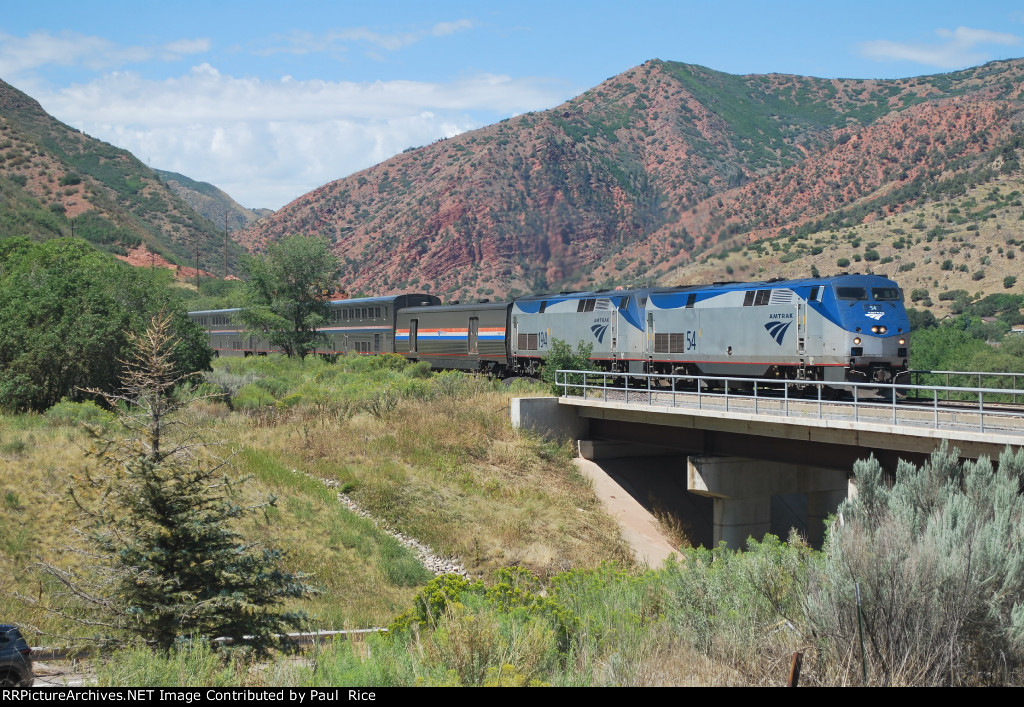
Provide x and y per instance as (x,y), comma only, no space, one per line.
(268,100)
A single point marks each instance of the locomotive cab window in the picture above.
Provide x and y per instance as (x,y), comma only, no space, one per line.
(852,293)
(886,294)
(691,300)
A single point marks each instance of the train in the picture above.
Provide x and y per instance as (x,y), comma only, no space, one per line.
(844,328)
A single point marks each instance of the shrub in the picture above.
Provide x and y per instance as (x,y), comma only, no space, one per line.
(937,557)
(1009,281)
(843,262)
(70,413)
(252,397)
(561,357)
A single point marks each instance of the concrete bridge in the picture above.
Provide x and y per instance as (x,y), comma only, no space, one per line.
(762,461)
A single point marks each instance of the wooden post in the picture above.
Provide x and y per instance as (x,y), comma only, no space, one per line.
(794,669)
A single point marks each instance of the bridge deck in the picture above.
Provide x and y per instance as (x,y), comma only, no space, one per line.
(831,435)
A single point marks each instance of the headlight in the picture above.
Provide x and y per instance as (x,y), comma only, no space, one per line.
(874,329)
(856,340)
(903,342)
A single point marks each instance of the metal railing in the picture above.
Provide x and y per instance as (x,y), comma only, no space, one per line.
(984,409)
(984,379)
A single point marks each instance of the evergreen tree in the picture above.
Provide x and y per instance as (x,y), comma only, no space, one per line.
(160,515)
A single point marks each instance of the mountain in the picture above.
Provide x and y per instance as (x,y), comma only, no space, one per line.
(654,167)
(57,181)
(211,202)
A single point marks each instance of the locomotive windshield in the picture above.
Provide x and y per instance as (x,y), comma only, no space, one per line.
(852,293)
(886,294)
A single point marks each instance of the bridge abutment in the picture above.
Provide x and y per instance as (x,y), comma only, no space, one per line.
(753,497)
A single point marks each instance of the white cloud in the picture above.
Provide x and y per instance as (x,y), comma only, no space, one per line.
(268,142)
(300,42)
(960,48)
(22,54)
(184,47)
(442,29)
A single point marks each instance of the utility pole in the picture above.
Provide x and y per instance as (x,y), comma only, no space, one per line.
(225,244)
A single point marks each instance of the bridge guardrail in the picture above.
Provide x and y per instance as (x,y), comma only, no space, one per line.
(953,379)
(868,402)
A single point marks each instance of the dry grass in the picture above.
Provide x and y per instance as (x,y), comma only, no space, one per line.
(453,474)
(458,477)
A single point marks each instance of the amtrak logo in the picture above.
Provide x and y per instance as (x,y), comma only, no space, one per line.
(599,331)
(777,330)
(874,315)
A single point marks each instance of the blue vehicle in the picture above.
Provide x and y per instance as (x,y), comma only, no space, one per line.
(848,328)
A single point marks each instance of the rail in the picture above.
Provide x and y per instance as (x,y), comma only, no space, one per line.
(909,405)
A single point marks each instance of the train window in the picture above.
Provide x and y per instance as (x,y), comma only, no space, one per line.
(642,301)
(376,312)
(376,343)
(748,298)
(885,294)
(543,306)
(852,293)
(762,298)
(813,297)
(691,299)
(624,303)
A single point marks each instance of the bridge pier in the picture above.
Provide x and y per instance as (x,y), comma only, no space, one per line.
(754,497)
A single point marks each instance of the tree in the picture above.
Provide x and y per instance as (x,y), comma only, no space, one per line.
(158,515)
(67,311)
(287,288)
